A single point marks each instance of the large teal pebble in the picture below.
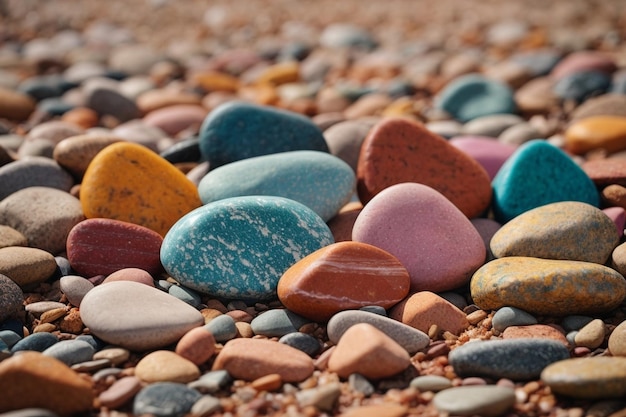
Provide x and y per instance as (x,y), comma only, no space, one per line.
(473,95)
(238,248)
(320,181)
(239,130)
(537,174)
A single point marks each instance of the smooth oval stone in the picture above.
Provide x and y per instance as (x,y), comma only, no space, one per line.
(166,366)
(433,383)
(26,266)
(11,298)
(239,247)
(224,139)
(37,342)
(222,327)
(136,316)
(516,359)
(75,153)
(165,399)
(537,331)
(343,276)
(491,125)
(197,345)
(32,172)
(490,154)
(176,118)
(594,378)
(547,287)
(583,61)
(302,341)
(485,400)
(431,237)
(131,274)
(103,246)
(537,174)
(320,181)
(408,337)
(128,182)
(536,96)
(105,99)
(604,105)
(120,393)
(596,132)
(43,215)
(617,340)
(185,294)
(71,352)
(398,150)
(277,323)
(590,335)
(347,35)
(424,309)
(75,288)
(579,86)
(15,105)
(345,138)
(568,230)
(470,96)
(11,237)
(187,150)
(511,316)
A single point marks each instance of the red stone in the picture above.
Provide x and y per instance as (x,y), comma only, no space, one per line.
(342,276)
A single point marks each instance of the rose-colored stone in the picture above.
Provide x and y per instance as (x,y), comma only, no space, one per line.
(536,96)
(580,61)
(34,380)
(343,276)
(76,152)
(606,133)
(166,366)
(365,350)
(604,172)
(173,119)
(131,274)
(537,331)
(121,392)
(618,216)
(197,345)
(250,359)
(398,150)
(159,98)
(103,246)
(490,153)
(423,309)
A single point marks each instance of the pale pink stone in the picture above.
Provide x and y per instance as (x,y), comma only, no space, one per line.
(489,152)
(131,274)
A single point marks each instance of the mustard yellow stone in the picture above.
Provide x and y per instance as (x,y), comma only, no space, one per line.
(281,73)
(596,132)
(126,181)
(217,81)
(547,287)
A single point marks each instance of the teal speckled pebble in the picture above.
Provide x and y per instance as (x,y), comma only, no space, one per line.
(537,174)
(320,181)
(239,247)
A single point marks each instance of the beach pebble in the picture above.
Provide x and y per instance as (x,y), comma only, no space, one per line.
(345,138)
(490,153)
(302,341)
(537,174)
(131,274)
(599,377)
(491,125)
(365,350)
(602,132)
(515,359)
(547,287)
(26,266)
(376,410)
(415,223)
(320,181)
(579,86)
(159,98)
(580,61)
(536,96)
(36,342)
(519,134)
(212,381)
(75,288)
(433,383)
(11,298)
(136,316)
(166,366)
(323,397)
(423,309)
(603,105)
(120,393)
(485,400)
(75,153)
(342,276)
(277,323)
(70,352)
(15,105)
(106,100)
(398,150)
(176,118)
(102,246)
(617,340)
(618,217)
(236,238)
(347,35)
(223,328)
(250,359)
(33,172)
(33,380)
(536,331)
(606,172)
(165,399)
(511,316)
(206,406)
(591,335)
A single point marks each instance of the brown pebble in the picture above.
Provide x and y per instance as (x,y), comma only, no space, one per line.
(52,315)
(166,366)
(271,382)
(376,410)
(72,323)
(244,329)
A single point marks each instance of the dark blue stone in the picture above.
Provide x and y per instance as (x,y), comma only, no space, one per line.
(302,341)
(165,399)
(42,87)
(54,106)
(582,85)
(37,342)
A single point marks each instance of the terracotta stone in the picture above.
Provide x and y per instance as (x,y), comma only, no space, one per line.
(342,276)
(159,98)
(604,172)
(173,119)
(341,224)
(376,410)
(83,117)
(424,309)
(197,345)
(538,331)
(596,133)
(398,150)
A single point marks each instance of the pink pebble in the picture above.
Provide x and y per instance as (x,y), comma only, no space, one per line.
(131,274)
(489,152)
(173,119)
(618,215)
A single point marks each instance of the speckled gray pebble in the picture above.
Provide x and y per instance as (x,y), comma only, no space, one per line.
(30,172)
(511,316)
(165,399)
(434,383)
(483,400)
(277,323)
(75,288)
(222,327)
(302,341)
(71,352)
(185,294)
(36,341)
(11,297)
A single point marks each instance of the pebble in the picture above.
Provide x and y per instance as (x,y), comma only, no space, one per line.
(591,335)
(575,322)
(166,366)
(344,140)
(433,383)
(26,266)
(605,172)
(222,328)
(197,345)
(322,397)
(519,134)
(105,100)
(38,342)
(602,132)
(128,182)
(39,307)
(415,223)
(12,298)
(536,96)
(165,399)
(250,359)
(206,406)
(411,339)
(579,86)
(176,118)
(320,181)
(268,130)
(15,105)
(515,359)
(33,380)
(580,61)
(511,316)
(617,340)
(33,172)
(490,154)
(618,217)
(342,276)
(11,237)
(212,381)
(75,153)
(9,338)
(398,150)
(492,125)
(485,400)
(115,355)
(132,274)
(547,287)
(120,393)
(118,244)
(537,174)
(423,309)
(567,230)
(599,377)
(136,316)
(537,331)
(302,341)
(70,352)
(376,410)
(236,238)
(277,323)
(603,105)
(347,35)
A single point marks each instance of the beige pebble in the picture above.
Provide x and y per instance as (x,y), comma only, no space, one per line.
(76,152)
(166,366)
(116,355)
(591,335)
(617,340)
(26,266)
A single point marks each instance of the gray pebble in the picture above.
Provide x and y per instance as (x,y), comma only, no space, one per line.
(575,322)
(75,288)
(30,412)
(434,383)
(11,297)
(71,352)
(277,323)
(302,341)
(222,327)
(483,400)
(360,384)
(511,316)
(322,397)
(165,399)
(36,341)
(375,309)
(9,337)
(30,172)
(185,294)
(212,381)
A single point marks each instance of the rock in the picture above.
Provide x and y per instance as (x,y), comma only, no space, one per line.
(15,105)
(26,266)
(602,132)
(186,150)
(365,350)
(604,105)
(139,133)
(535,331)
(547,287)
(128,182)
(212,381)
(120,393)
(246,244)
(580,61)
(432,383)
(165,399)
(191,297)
(159,98)
(106,100)
(575,322)
(320,181)
(618,217)
(346,35)
(421,228)
(33,380)
(135,275)
(536,96)
(302,341)
(376,410)
(343,276)
(424,309)
(268,130)
(398,150)
(38,342)
(594,378)
(250,359)
(11,298)
(70,352)
(103,246)
(166,366)
(490,153)
(486,400)
(136,316)
(75,288)
(11,237)
(43,215)
(590,335)
(511,316)
(206,405)
(411,339)
(277,323)
(222,328)
(579,86)
(322,397)
(33,172)
(535,175)
(491,125)
(176,118)
(604,172)
(75,153)
(617,340)
(519,134)
(344,140)
(516,359)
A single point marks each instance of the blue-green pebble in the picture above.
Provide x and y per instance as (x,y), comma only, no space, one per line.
(37,342)
(185,294)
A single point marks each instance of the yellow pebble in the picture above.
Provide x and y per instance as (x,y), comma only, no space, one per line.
(217,81)
(596,132)
(281,73)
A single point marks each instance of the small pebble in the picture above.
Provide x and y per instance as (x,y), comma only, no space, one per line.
(120,393)
(75,288)
(302,341)
(484,400)
(166,366)
(599,377)
(511,316)
(591,335)
(424,309)
(617,340)
(38,342)
(434,383)
(222,328)
(197,345)
(70,352)
(165,399)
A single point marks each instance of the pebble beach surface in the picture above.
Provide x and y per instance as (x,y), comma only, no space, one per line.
(330,208)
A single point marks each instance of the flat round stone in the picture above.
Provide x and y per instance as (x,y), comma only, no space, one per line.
(166,366)
(424,309)
(26,266)
(485,400)
(598,377)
